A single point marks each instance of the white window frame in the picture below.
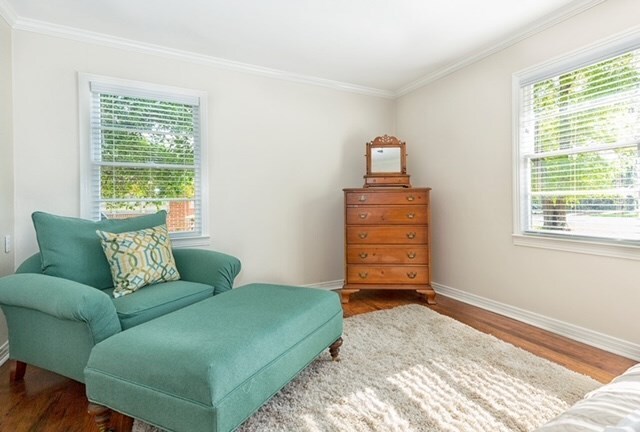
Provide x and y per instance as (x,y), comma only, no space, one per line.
(142,89)
(610,47)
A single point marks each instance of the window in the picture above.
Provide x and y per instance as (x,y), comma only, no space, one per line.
(143,152)
(578,146)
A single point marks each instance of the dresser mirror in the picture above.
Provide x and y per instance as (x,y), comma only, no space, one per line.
(386,162)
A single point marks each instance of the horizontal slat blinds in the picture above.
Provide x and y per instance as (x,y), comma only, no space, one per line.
(146,155)
(579,151)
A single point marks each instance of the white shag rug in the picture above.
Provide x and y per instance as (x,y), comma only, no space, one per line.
(411,369)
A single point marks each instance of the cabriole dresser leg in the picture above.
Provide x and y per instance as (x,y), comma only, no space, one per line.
(429,294)
(346,293)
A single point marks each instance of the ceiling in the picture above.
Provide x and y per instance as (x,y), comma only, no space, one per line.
(385,46)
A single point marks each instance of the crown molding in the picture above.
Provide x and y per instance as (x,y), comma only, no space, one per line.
(8,13)
(42,27)
(542,24)
(79,35)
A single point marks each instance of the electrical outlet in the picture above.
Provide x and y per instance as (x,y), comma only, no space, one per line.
(7,244)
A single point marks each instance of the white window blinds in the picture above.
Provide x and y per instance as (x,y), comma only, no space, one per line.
(579,138)
(146,155)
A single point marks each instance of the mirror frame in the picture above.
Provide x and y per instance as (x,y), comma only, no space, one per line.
(399,178)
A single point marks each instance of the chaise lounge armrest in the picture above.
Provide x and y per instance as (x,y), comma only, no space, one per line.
(62,299)
(207,267)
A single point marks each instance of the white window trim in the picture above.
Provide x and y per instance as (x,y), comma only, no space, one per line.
(84,108)
(584,56)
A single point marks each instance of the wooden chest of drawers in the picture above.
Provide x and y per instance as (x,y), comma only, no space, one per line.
(387,240)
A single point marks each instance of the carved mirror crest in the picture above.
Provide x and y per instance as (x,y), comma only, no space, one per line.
(386,162)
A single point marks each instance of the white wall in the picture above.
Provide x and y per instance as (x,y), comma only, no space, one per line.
(6,160)
(280,153)
(458,133)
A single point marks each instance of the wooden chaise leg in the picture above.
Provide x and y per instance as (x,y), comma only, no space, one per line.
(334,349)
(17,374)
(104,418)
(101,415)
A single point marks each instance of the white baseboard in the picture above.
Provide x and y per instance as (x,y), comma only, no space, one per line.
(571,331)
(580,334)
(4,353)
(329,285)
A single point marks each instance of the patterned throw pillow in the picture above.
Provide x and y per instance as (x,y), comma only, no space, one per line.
(139,258)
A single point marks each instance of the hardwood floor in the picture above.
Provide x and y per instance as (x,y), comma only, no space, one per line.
(600,365)
(46,402)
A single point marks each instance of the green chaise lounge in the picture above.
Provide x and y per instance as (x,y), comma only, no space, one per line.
(59,304)
(188,355)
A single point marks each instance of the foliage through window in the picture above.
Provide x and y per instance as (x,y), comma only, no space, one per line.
(146,155)
(579,138)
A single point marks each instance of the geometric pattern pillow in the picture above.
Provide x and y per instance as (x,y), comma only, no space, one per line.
(139,258)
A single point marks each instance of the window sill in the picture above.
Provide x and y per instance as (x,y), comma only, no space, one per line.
(578,246)
(187,242)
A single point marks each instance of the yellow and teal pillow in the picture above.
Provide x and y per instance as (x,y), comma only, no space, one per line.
(139,258)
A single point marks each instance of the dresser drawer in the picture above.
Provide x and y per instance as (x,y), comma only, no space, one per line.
(387,215)
(364,274)
(387,234)
(387,254)
(387,240)
(387,197)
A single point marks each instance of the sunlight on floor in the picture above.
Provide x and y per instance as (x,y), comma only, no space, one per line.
(444,395)
(443,403)
(372,414)
(469,397)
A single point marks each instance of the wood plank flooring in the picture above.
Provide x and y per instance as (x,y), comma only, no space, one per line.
(46,402)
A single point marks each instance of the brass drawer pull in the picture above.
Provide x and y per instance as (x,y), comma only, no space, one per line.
(363,255)
(411,255)
(412,275)
(363,215)
(363,235)
(411,215)
(363,275)
(411,235)
(362,198)
(410,198)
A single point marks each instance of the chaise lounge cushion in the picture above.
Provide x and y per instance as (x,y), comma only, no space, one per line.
(70,246)
(156,300)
